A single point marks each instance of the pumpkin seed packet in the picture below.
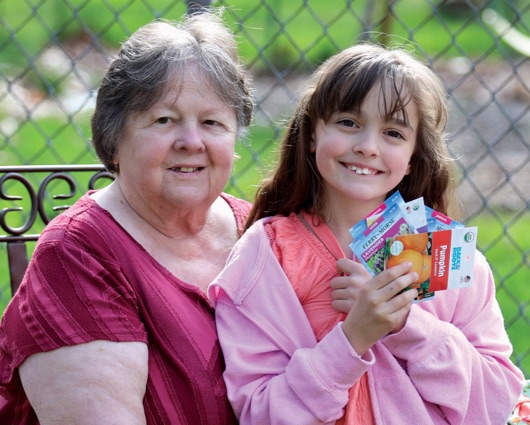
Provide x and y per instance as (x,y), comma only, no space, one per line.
(443,259)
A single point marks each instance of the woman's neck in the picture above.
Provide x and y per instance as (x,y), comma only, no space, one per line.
(194,250)
(181,223)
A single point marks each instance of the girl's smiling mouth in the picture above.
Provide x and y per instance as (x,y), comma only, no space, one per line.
(362,170)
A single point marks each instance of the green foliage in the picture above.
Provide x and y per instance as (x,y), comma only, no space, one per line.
(273,33)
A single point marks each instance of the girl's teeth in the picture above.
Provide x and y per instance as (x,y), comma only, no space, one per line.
(186,169)
(360,170)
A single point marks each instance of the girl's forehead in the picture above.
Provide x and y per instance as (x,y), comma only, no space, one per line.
(394,103)
(387,94)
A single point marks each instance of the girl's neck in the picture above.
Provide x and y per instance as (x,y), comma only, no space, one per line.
(341,220)
(340,225)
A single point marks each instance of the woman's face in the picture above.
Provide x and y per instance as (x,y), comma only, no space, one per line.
(178,155)
(361,155)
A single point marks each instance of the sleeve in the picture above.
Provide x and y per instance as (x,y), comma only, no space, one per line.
(69,296)
(267,386)
(458,357)
(276,372)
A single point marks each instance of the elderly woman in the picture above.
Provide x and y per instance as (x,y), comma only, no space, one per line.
(111,323)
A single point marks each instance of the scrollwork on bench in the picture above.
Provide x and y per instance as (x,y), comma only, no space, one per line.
(36,195)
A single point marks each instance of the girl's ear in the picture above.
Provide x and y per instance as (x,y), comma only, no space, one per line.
(408,169)
(312,144)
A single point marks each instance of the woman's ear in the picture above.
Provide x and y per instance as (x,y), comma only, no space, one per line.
(116,155)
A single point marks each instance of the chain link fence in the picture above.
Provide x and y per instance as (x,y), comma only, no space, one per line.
(53,54)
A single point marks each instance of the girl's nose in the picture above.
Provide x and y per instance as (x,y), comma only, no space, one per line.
(367,143)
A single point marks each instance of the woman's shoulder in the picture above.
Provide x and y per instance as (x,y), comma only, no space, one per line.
(80,213)
(237,204)
(84,225)
(240,208)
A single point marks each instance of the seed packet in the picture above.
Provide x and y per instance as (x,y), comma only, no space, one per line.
(394,199)
(441,249)
(415,248)
(438,221)
(369,236)
(443,259)
(416,214)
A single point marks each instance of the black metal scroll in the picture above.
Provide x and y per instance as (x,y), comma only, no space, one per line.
(37,196)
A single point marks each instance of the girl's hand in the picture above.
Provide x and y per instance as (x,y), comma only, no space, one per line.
(376,308)
(344,287)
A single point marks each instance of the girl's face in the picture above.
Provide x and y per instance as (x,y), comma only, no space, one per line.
(179,154)
(361,156)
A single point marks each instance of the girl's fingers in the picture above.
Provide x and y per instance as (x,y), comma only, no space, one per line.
(395,286)
(340,282)
(349,267)
(342,305)
(392,280)
(389,277)
(341,294)
(401,300)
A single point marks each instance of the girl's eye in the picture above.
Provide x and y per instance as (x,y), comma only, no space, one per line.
(162,120)
(347,123)
(395,133)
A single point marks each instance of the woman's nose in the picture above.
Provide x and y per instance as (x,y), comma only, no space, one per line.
(189,137)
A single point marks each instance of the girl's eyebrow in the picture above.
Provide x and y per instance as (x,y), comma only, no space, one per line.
(394,119)
(401,122)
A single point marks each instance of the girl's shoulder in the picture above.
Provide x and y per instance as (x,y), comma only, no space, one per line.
(281,226)
(286,234)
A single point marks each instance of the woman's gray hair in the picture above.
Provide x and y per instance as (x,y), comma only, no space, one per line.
(153,58)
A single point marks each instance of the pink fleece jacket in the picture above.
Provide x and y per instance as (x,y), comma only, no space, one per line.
(450,364)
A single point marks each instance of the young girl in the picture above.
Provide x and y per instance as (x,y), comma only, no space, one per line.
(309,337)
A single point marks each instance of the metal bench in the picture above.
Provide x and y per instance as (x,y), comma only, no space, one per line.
(26,194)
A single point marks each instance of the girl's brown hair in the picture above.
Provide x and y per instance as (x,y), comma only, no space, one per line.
(341,84)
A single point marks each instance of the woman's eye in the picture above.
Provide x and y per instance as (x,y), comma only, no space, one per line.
(162,120)
(211,122)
